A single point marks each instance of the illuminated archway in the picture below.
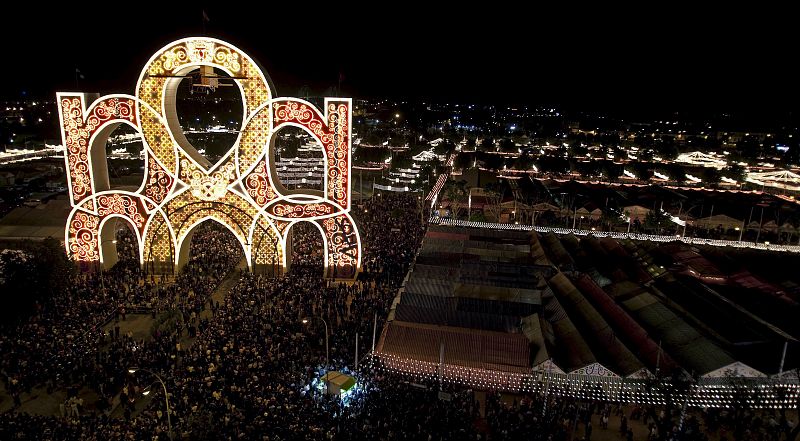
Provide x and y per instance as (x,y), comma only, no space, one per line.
(290,240)
(238,191)
(184,249)
(109,241)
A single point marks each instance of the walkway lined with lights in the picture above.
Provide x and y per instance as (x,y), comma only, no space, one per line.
(616,235)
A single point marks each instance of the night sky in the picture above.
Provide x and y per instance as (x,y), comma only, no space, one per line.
(677,59)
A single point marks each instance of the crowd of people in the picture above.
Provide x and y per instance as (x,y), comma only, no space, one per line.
(251,366)
(63,344)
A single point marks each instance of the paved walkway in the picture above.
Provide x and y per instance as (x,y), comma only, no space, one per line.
(186,342)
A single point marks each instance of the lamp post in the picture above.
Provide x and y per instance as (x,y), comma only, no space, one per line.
(686,222)
(327,354)
(133,370)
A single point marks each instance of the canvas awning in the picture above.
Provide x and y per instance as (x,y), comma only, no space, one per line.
(717,220)
(338,382)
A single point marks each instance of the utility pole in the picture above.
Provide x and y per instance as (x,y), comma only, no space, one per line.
(441,362)
(658,357)
(374,329)
(783,357)
(689,394)
(741,231)
(760,224)
(708,224)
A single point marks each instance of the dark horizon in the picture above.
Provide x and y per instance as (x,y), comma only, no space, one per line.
(685,61)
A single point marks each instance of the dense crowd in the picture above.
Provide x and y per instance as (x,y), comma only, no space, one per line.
(63,344)
(252,367)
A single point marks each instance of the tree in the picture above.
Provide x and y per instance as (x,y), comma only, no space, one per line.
(492,161)
(586,168)
(749,148)
(478,216)
(551,164)
(642,170)
(609,219)
(576,149)
(463,161)
(675,172)
(655,220)
(524,162)
(397,140)
(373,139)
(470,145)
(711,176)
(610,170)
(402,159)
(493,193)
(134,149)
(288,146)
(666,148)
(456,193)
(444,148)
(735,172)
(487,145)
(508,146)
(609,139)
(371,154)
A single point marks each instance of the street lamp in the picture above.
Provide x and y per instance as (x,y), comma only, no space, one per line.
(327,359)
(133,370)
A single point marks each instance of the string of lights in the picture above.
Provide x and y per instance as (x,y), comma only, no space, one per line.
(756,393)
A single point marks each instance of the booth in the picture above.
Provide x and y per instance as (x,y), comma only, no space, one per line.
(338,383)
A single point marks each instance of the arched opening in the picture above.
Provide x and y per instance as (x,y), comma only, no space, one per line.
(117,158)
(125,158)
(299,160)
(306,248)
(209,109)
(119,244)
(207,254)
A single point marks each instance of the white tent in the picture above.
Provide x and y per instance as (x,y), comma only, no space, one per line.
(548,366)
(715,221)
(636,211)
(641,373)
(736,369)
(544,206)
(770,226)
(791,375)
(596,369)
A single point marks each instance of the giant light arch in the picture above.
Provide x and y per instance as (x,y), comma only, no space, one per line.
(181,188)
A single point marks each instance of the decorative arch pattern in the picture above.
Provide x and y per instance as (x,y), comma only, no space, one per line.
(180,186)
